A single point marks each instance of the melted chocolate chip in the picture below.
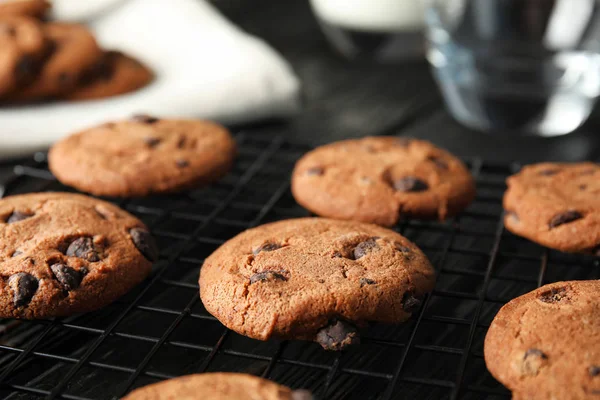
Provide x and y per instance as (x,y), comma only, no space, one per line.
(17,216)
(594,371)
(24,287)
(401,248)
(266,247)
(68,277)
(410,303)
(363,248)
(410,184)
(144,242)
(181,163)
(315,171)
(338,336)
(549,172)
(553,295)
(144,119)
(302,395)
(366,281)
(152,142)
(441,164)
(268,276)
(564,218)
(83,247)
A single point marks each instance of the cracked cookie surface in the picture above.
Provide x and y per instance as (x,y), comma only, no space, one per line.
(217,386)
(143,155)
(380,179)
(556,205)
(314,279)
(62,254)
(546,343)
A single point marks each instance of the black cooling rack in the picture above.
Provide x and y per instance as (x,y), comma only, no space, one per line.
(160,330)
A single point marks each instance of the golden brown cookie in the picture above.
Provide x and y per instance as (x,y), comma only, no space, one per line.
(143,155)
(23,47)
(62,254)
(115,74)
(556,205)
(546,343)
(74,51)
(29,8)
(380,179)
(217,386)
(314,279)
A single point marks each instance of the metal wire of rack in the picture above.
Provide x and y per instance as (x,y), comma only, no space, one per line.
(160,330)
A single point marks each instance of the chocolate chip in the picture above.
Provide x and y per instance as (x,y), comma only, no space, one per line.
(410,184)
(266,247)
(268,276)
(533,360)
(68,277)
(26,70)
(441,164)
(181,142)
(549,172)
(338,336)
(144,242)
(535,353)
(83,247)
(336,254)
(302,395)
(564,218)
(16,253)
(144,119)
(366,281)
(410,303)
(363,248)
(582,187)
(553,295)
(594,370)
(401,248)
(24,287)
(152,142)
(181,163)
(315,171)
(17,216)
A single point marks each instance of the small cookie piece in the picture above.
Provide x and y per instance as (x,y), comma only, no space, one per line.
(23,47)
(217,386)
(62,254)
(546,343)
(380,179)
(74,51)
(556,205)
(143,155)
(314,279)
(115,74)
(30,8)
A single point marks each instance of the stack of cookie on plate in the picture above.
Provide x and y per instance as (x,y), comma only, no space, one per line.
(52,60)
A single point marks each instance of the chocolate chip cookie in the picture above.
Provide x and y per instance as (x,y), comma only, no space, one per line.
(380,179)
(314,279)
(556,205)
(143,155)
(115,74)
(546,343)
(217,386)
(23,46)
(62,254)
(29,8)
(74,50)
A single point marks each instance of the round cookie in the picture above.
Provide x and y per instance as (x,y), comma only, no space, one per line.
(380,179)
(143,155)
(556,205)
(24,47)
(546,343)
(217,386)
(115,74)
(62,254)
(74,51)
(314,279)
(30,8)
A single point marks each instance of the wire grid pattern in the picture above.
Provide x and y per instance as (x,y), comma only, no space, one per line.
(160,330)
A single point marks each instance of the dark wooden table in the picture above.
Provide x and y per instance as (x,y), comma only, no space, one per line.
(345,99)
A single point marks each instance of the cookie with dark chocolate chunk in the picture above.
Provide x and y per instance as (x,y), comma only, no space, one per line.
(143,155)
(314,279)
(62,254)
(556,205)
(381,179)
(546,344)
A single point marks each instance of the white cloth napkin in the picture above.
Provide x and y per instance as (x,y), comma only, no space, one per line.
(205,66)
